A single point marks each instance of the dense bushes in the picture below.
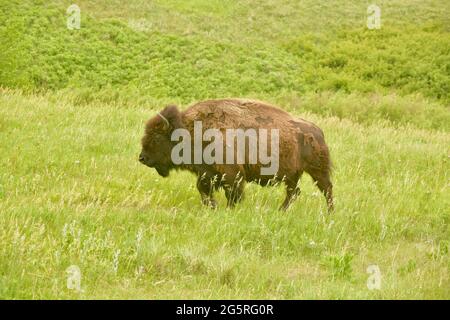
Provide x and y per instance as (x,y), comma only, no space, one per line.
(407,60)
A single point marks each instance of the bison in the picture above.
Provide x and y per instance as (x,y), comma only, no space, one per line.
(301,148)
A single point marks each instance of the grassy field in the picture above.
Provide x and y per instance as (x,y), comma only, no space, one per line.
(72,108)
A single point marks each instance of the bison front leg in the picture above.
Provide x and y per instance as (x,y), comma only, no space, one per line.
(205,186)
(291,194)
(234,194)
(292,191)
(234,189)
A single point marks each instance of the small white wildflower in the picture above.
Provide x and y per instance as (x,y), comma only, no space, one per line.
(330,224)
(312,244)
(140,271)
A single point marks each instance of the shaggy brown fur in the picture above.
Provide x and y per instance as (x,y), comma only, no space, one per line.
(302,148)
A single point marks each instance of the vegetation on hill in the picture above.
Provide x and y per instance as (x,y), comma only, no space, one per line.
(72,108)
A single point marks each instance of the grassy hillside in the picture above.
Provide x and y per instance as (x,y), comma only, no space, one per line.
(72,108)
(129,55)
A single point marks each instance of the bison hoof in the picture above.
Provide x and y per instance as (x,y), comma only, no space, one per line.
(210,203)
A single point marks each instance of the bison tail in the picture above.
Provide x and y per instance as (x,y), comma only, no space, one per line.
(325,159)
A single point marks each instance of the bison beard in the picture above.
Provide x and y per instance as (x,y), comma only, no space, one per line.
(162,171)
(302,148)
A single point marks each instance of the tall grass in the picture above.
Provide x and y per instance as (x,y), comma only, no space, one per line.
(73,193)
(72,109)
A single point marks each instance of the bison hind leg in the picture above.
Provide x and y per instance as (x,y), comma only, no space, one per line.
(318,165)
(323,182)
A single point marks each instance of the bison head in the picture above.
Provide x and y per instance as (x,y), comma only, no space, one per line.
(156,142)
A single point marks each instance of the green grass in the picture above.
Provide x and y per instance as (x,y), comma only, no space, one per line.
(74,168)
(72,109)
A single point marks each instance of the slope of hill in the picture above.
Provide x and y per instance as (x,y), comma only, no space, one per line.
(72,108)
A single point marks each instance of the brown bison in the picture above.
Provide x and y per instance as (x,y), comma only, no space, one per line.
(301,147)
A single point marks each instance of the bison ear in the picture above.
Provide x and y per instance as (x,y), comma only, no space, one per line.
(171,118)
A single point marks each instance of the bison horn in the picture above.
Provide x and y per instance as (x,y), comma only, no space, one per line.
(165,120)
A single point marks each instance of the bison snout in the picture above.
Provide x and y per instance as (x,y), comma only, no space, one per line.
(146,160)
